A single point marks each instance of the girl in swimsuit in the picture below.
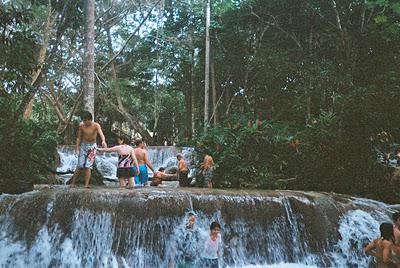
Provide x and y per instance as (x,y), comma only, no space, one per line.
(383,248)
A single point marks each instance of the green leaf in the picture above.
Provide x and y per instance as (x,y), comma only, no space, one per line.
(381,19)
(396,8)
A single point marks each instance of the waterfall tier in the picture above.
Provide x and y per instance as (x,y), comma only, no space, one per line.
(103,227)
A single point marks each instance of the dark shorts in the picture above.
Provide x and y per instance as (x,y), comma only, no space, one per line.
(210,263)
(125,172)
(208,175)
(183,179)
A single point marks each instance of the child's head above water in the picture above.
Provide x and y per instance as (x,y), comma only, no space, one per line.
(215,227)
(191,220)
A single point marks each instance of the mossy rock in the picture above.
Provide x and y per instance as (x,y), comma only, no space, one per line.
(95,179)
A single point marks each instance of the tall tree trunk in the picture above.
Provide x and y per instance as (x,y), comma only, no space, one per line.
(88,65)
(207,67)
(192,112)
(188,98)
(214,92)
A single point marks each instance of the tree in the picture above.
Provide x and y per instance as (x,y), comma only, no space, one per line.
(88,64)
(207,68)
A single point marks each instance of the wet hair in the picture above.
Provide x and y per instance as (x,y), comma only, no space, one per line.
(86,115)
(387,231)
(179,155)
(138,142)
(395,216)
(214,225)
(191,213)
(122,138)
(161,169)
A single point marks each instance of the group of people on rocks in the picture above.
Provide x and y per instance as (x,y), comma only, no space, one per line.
(386,248)
(132,162)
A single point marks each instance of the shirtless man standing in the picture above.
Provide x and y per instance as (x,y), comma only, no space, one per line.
(86,147)
(183,171)
(143,161)
(208,168)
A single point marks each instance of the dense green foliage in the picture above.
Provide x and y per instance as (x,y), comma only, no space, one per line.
(28,150)
(323,73)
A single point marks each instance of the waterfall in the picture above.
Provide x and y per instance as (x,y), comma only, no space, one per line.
(111,227)
(159,156)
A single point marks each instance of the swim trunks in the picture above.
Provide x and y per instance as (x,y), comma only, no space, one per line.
(87,155)
(125,163)
(183,178)
(208,175)
(143,176)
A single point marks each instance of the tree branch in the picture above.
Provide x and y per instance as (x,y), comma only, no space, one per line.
(129,38)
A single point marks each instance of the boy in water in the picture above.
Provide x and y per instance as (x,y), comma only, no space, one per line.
(383,248)
(86,147)
(183,171)
(208,168)
(143,160)
(126,161)
(213,247)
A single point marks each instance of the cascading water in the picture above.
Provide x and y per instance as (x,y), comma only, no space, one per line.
(147,228)
(159,156)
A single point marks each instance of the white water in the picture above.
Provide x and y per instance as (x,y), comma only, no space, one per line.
(159,156)
(98,239)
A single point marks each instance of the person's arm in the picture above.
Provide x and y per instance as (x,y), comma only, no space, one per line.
(111,149)
(370,249)
(103,139)
(167,176)
(135,161)
(146,160)
(78,139)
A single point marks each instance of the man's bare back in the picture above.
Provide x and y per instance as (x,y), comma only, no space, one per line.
(182,165)
(141,155)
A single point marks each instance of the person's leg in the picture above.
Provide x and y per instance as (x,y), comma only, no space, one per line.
(131,183)
(87,174)
(121,182)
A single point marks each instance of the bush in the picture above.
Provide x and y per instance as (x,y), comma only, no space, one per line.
(28,149)
(325,155)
